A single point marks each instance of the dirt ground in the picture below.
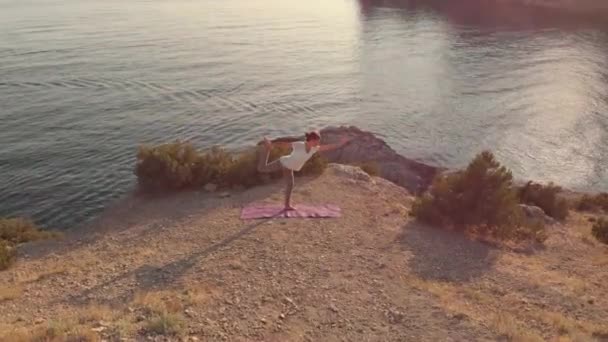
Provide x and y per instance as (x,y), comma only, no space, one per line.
(186,267)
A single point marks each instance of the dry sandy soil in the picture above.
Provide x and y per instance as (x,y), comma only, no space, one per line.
(185,267)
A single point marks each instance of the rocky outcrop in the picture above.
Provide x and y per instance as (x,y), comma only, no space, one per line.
(365,147)
(349,171)
(536,214)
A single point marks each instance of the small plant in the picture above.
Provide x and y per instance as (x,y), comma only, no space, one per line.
(165,324)
(593,203)
(19,230)
(7,255)
(168,166)
(480,197)
(314,166)
(600,230)
(14,231)
(63,329)
(545,197)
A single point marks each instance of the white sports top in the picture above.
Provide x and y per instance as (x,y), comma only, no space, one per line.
(298,157)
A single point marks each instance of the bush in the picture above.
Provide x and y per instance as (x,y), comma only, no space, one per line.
(165,324)
(7,255)
(169,166)
(14,231)
(481,197)
(545,197)
(600,230)
(593,203)
(19,230)
(179,165)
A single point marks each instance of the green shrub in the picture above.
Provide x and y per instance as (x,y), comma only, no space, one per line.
(165,324)
(179,165)
(244,170)
(168,166)
(482,197)
(19,230)
(545,197)
(14,231)
(600,230)
(7,255)
(314,166)
(592,203)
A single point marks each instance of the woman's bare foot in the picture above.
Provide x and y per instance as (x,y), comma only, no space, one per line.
(288,207)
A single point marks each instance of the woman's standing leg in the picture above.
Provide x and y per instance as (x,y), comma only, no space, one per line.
(289,179)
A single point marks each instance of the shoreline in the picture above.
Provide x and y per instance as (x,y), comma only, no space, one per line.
(189,259)
(413,175)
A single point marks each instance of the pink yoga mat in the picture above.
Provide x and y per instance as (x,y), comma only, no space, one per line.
(261,211)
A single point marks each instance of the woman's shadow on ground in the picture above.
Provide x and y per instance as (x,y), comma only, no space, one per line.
(444,255)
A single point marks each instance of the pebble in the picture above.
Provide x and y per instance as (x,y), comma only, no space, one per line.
(39,320)
(333,308)
(282,316)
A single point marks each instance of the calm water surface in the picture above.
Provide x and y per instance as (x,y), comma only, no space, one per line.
(82,82)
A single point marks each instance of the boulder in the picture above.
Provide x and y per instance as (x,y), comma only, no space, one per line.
(366,147)
(536,214)
(348,171)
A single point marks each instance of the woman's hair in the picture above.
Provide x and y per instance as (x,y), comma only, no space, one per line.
(313,135)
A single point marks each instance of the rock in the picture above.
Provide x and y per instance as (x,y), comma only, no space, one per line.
(395,316)
(459,316)
(210,187)
(366,147)
(263,320)
(536,214)
(98,329)
(194,339)
(282,316)
(189,312)
(39,320)
(289,301)
(333,308)
(349,171)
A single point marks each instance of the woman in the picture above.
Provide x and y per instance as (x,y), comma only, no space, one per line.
(301,152)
